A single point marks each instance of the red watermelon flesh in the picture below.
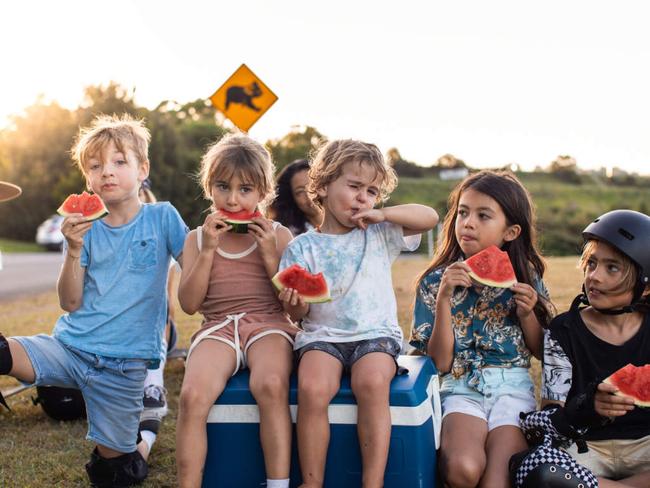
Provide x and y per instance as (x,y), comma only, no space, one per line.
(312,287)
(89,205)
(492,267)
(633,382)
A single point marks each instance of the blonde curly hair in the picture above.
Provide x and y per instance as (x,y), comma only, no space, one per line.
(332,156)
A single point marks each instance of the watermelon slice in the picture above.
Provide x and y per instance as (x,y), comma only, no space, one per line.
(633,382)
(311,287)
(90,206)
(492,267)
(240,220)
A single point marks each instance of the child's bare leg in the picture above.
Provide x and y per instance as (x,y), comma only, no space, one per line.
(208,369)
(462,450)
(22,367)
(371,377)
(270,361)
(501,444)
(319,379)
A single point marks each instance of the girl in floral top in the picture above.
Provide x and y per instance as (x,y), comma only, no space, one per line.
(481,338)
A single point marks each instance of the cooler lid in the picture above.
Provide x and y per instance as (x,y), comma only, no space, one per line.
(409,389)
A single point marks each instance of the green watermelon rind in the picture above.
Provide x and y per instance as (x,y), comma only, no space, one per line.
(323,298)
(102,212)
(239,226)
(637,401)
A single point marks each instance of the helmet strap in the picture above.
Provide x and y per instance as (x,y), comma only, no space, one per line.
(582,299)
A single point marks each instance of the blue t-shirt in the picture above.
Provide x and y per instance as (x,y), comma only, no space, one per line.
(124,304)
(486,328)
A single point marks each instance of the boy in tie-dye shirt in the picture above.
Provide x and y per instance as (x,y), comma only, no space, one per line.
(357,330)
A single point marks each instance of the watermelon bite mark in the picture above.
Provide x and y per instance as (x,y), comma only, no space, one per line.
(492,267)
(89,205)
(311,287)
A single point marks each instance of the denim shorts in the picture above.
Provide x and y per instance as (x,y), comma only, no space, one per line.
(350,352)
(112,388)
(505,393)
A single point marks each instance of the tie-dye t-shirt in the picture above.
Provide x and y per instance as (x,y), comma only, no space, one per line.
(357,268)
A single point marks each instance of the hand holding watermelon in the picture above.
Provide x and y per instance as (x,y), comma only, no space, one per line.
(262,231)
(610,404)
(525,297)
(456,274)
(213,226)
(73,229)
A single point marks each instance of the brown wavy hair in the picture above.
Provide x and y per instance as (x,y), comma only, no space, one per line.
(516,203)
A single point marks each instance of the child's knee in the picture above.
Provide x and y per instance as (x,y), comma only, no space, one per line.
(316,393)
(461,470)
(269,387)
(371,384)
(194,401)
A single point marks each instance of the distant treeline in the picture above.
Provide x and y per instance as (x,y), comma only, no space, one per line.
(34,153)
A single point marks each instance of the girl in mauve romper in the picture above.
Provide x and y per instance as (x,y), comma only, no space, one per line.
(227,277)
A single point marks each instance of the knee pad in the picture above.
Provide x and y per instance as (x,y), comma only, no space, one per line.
(61,403)
(125,470)
(6,363)
(549,467)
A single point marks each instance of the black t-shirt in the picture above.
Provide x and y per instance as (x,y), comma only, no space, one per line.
(592,360)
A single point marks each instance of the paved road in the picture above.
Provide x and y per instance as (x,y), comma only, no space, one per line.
(28,273)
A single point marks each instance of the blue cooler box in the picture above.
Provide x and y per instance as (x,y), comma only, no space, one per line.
(235,459)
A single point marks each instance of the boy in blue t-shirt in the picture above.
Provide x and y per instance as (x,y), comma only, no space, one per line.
(113,286)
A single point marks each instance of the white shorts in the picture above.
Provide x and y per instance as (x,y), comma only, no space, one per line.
(506,393)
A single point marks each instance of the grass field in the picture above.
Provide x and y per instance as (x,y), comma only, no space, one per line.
(8,245)
(36,451)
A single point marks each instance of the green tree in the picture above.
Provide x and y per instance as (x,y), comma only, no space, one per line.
(180,135)
(34,154)
(301,142)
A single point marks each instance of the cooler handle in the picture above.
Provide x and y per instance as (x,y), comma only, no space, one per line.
(434,391)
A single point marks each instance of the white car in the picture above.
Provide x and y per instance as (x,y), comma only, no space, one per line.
(49,233)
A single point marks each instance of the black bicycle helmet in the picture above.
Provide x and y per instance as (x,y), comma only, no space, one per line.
(61,403)
(629,232)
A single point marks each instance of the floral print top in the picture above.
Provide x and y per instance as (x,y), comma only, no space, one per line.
(486,327)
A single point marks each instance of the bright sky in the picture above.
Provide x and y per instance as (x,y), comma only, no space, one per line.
(492,82)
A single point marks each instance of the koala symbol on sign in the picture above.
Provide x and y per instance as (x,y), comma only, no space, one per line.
(243,95)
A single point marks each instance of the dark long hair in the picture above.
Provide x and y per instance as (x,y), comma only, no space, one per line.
(506,189)
(284,208)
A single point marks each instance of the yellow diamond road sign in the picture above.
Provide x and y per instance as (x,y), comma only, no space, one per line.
(243,98)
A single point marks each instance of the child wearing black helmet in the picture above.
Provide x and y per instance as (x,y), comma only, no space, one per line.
(607,327)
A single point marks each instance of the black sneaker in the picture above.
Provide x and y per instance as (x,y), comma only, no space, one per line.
(155,408)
